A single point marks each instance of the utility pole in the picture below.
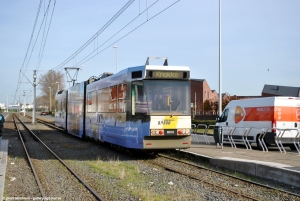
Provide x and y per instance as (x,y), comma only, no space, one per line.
(34,96)
(220,63)
(50,101)
(24,102)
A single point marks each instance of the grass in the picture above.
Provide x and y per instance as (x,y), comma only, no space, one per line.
(209,132)
(138,183)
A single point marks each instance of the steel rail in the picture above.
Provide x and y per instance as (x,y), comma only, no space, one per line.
(52,125)
(77,176)
(29,160)
(234,177)
(167,167)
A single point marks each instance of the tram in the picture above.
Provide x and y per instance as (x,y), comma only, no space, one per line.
(145,107)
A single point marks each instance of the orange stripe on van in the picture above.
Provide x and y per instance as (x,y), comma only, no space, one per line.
(259,113)
(270,113)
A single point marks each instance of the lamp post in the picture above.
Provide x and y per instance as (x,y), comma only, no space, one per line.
(220,63)
(50,100)
(116,58)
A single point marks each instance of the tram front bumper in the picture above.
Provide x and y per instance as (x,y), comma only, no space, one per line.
(163,142)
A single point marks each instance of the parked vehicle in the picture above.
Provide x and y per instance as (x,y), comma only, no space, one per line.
(276,115)
(44,113)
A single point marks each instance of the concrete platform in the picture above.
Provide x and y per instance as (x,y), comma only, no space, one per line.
(281,167)
(3,163)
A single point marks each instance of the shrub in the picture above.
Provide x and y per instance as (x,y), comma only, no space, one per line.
(206,122)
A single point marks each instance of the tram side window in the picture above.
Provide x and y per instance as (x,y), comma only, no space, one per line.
(113,99)
(139,101)
(92,101)
(122,98)
(58,105)
(69,108)
(63,107)
(103,100)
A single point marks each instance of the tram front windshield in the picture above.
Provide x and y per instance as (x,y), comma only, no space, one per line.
(161,97)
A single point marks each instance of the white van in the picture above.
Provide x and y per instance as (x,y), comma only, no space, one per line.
(248,117)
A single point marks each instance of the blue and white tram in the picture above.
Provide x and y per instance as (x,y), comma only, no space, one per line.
(145,107)
(61,109)
(70,109)
(76,110)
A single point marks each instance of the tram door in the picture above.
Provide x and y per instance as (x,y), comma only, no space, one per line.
(101,127)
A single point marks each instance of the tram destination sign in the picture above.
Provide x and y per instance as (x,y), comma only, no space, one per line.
(167,74)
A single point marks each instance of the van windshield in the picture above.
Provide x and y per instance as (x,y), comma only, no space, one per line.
(224,116)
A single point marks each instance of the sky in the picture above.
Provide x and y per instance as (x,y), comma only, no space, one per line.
(260,41)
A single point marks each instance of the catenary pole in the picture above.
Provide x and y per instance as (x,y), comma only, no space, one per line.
(220,63)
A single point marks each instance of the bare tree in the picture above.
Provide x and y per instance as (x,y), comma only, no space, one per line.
(50,83)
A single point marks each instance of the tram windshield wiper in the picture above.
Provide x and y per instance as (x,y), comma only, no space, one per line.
(175,108)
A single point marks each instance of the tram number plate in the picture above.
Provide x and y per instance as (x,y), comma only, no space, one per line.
(170,132)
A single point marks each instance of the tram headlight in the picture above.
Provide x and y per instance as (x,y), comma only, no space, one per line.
(157,132)
(183,131)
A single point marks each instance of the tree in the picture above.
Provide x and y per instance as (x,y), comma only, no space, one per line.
(207,106)
(227,98)
(53,80)
(215,106)
(225,101)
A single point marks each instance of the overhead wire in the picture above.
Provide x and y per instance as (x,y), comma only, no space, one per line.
(95,35)
(38,33)
(29,44)
(34,44)
(40,58)
(42,41)
(116,33)
(93,38)
(85,59)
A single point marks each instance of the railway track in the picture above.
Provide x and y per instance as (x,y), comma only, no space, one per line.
(39,174)
(238,187)
(231,187)
(52,125)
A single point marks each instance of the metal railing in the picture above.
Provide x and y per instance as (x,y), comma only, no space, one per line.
(278,138)
(244,132)
(297,141)
(261,139)
(195,132)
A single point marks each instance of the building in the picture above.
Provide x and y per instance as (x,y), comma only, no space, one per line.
(275,90)
(200,91)
(246,97)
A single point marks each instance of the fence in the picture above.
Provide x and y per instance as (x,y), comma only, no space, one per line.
(242,134)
